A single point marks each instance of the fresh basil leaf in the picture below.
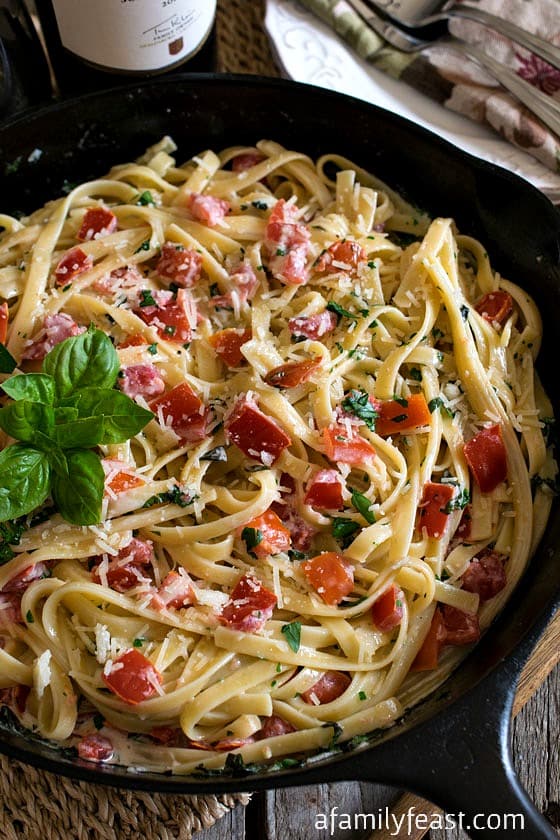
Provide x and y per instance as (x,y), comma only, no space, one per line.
(24,480)
(57,458)
(7,362)
(342,527)
(65,414)
(358,403)
(22,419)
(37,387)
(292,632)
(122,417)
(79,496)
(86,432)
(86,360)
(362,505)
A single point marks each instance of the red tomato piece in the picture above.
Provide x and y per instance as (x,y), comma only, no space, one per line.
(141,381)
(395,417)
(331,685)
(228,343)
(274,726)
(132,677)
(345,448)
(495,307)
(128,568)
(292,373)
(486,574)
(241,163)
(23,579)
(432,509)
(274,537)
(183,411)
(428,655)
(250,605)
(461,628)
(4,318)
(313,326)
(387,610)
(97,222)
(324,491)
(95,748)
(74,262)
(179,265)
(167,735)
(344,255)
(175,317)
(330,575)
(123,481)
(485,454)
(257,435)
(207,208)
(136,340)
(175,592)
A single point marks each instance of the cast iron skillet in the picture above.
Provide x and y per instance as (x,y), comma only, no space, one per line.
(453,748)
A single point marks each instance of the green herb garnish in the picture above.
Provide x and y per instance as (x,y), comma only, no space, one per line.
(292,632)
(358,403)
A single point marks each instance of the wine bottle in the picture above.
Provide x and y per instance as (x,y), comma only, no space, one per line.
(100,44)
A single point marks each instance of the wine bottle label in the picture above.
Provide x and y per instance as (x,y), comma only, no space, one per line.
(134,35)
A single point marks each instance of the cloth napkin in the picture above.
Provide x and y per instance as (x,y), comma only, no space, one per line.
(460,84)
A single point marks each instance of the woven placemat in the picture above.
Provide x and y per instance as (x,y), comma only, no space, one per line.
(36,805)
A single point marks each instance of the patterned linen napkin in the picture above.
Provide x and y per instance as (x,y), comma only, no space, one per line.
(459,83)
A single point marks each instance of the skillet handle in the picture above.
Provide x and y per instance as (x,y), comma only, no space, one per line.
(461,761)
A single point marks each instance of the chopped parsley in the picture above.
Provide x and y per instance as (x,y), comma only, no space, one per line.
(436,403)
(260,205)
(176,496)
(416,374)
(357,403)
(281,252)
(459,502)
(339,310)
(29,617)
(152,349)
(138,642)
(145,246)
(292,632)
(400,401)
(251,537)
(147,299)
(342,527)
(362,695)
(145,198)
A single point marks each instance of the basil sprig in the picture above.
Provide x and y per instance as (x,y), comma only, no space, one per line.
(59,416)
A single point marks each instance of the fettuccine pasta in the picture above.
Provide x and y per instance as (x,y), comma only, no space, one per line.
(346,472)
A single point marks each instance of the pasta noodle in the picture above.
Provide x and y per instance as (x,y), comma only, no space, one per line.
(345,475)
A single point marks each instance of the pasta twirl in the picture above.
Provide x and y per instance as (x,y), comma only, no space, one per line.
(345,475)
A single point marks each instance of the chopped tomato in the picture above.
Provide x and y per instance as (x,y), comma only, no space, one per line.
(132,677)
(241,163)
(123,481)
(97,222)
(397,416)
(183,411)
(301,532)
(227,744)
(387,610)
(135,340)
(270,536)
(179,265)
(287,242)
(250,605)
(432,513)
(428,655)
(330,575)
(331,685)
(20,582)
(128,568)
(461,628)
(485,454)
(344,255)
(74,262)
(313,326)
(485,575)
(4,318)
(174,316)
(207,208)
(228,344)
(324,491)
(292,373)
(175,592)
(257,435)
(167,735)
(95,748)
(495,307)
(345,448)
(273,726)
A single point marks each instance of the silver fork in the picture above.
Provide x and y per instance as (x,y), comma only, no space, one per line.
(543,106)
(420,13)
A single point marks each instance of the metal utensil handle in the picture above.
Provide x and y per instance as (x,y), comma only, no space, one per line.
(548,52)
(546,108)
